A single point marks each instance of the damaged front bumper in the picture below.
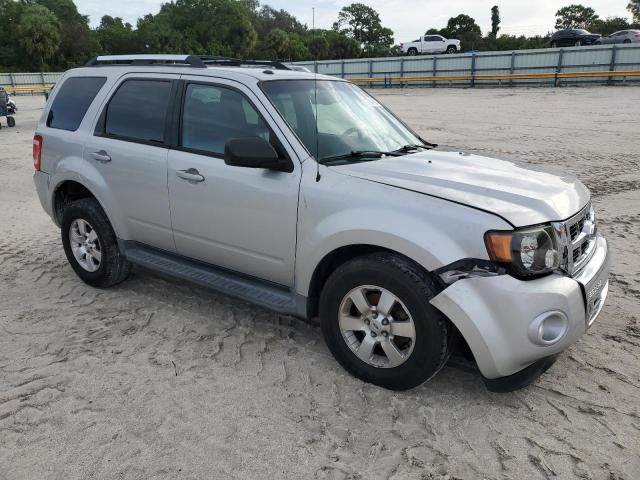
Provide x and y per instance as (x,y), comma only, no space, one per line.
(510,324)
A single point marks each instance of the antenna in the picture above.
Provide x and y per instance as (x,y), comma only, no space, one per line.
(315,96)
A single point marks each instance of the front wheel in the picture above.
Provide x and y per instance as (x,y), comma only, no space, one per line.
(11,121)
(412,52)
(377,321)
(91,246)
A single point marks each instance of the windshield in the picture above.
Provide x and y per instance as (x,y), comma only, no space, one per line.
(349,120)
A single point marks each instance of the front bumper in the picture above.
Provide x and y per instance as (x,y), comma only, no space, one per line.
(510,324)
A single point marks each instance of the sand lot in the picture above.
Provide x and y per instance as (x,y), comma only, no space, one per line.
(160,379)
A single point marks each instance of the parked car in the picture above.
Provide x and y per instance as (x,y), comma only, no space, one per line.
(431,44)
(623,36)
(301,193)
(573,37)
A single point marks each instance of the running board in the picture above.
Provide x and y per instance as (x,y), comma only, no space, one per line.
(263,294)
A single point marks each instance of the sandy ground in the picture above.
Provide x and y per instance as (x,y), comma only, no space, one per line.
(164,380)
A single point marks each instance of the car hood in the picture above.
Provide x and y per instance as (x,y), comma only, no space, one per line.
(520,194)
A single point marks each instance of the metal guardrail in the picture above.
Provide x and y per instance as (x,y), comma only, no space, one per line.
(557,77)
(601,64)
(516,67)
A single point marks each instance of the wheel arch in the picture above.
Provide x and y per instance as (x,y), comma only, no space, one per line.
(334,259)
(69,190)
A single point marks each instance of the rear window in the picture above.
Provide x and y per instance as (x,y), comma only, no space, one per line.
(138,111)
(72,102)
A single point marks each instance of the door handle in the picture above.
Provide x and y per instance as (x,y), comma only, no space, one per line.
(101,156)
(191,175)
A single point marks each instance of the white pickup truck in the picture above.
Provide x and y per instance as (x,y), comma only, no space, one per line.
(430,44)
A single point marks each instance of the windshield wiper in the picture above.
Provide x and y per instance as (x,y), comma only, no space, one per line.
(360,154)
(410,148)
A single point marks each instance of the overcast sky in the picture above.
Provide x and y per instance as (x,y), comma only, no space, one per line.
(407,18)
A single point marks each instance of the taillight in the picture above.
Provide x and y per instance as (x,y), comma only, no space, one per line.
(37,151)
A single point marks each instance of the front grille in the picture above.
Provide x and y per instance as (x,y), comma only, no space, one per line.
(577,238)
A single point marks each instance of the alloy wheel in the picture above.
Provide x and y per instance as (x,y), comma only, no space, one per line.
(377,326)
(85,245)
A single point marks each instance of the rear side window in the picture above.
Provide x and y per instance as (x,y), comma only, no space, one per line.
(72,102)
(138,111)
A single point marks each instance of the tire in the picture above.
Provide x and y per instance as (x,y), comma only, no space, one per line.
(412,52)
(451,49)
(11,121)
(578,43)
(376,275)
(112,267)
(627,40)
(554,45)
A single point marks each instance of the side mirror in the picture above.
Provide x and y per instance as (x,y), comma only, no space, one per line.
(253,152)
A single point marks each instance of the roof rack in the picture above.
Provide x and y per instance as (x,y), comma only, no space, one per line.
(193,61)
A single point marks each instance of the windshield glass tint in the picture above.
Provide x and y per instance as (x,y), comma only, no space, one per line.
(348,119)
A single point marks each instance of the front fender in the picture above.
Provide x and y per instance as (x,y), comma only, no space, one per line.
(341,210)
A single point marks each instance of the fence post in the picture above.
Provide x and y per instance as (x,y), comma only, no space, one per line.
(13,79)
(473,70)
(612,64)
(558,68)
(512,67)
(342,68)
(401,71)
(435,70)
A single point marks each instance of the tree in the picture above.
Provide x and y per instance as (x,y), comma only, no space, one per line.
(575,16)
(362,23)
(38,32)
(634,8)
(205,27)
(77,43)
(277,41)
(610,25)
(495,21)
(464,28)
(462,24)
(116,37)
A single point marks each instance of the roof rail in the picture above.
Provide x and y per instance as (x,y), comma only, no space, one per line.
(236,62)
(145,59)
(194,61)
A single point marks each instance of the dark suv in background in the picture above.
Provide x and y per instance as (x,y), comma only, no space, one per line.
(573,38)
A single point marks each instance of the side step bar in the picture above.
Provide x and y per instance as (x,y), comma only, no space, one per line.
(265,295)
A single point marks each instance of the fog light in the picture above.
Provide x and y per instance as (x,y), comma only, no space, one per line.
(548,328)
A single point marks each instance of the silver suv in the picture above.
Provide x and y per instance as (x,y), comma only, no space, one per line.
(304,195)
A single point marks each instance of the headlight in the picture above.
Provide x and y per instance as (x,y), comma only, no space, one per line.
(527,252)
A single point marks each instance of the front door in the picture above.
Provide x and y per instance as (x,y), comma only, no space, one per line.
(242,219)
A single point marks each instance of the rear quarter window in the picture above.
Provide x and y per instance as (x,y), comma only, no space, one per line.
(72,101)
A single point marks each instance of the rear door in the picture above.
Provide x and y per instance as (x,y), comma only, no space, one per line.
(242,219)
(129,148)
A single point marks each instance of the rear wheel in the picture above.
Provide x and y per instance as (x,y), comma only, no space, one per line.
(91,245)
(412,52)
(11,121)
(554,45)
(452,49)
(578,43)
(379,325)
(628,40)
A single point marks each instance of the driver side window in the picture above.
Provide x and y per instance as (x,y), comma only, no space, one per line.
(213,115)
